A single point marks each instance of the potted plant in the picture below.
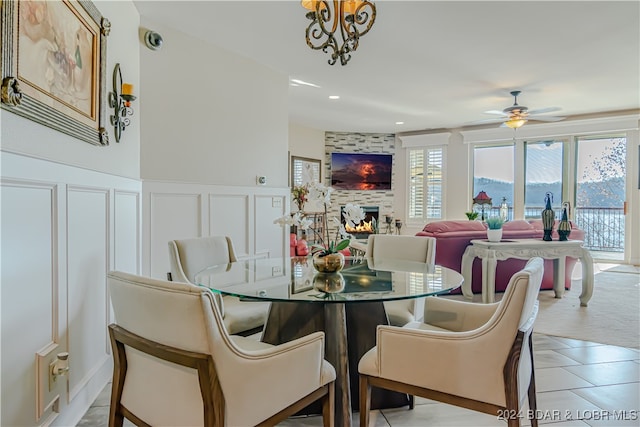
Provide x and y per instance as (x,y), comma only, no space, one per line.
(494,228)
(471,215)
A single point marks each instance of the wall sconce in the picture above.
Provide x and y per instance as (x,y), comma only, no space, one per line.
(120,100)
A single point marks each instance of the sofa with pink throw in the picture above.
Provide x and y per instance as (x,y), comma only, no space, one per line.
(452,238)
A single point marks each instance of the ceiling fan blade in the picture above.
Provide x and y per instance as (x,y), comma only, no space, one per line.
(546,118)
(501,113)
(495,120)
(545,110)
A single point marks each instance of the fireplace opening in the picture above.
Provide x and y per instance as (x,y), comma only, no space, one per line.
(365,228)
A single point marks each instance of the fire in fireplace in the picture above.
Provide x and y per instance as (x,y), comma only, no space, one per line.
(362,230)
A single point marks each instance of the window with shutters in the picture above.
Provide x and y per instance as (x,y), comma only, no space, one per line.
(425,193)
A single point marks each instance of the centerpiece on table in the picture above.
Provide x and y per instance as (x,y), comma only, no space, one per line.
(327,255)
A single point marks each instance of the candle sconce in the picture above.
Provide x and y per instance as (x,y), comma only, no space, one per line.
(120,100)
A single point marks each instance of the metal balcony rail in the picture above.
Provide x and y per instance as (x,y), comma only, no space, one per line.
(603,227)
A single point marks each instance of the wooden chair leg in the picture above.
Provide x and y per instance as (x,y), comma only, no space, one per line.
(116,417)
(329,407)
(365,400)
(533,404)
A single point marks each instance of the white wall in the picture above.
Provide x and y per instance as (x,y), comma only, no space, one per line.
(211,116)
(213,122)
(307,142)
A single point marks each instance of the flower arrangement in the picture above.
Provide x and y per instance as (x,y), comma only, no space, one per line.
(352,214)
(494,223)
(299,193)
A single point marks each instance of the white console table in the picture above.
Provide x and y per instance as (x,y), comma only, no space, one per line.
(492,252)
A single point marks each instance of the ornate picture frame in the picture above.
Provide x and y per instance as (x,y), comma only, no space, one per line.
(54,65)
(305,170)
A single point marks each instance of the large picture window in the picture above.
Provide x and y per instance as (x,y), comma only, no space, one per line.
(493,173)
(544,173)
(587,172)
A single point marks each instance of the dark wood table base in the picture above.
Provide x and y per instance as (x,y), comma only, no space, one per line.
(350,330)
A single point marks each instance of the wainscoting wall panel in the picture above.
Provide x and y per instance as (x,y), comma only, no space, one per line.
(126,248)
(29,312)
(88,260)
(269,240)
(171,216)
(62,228)
(230,217)
(245,214)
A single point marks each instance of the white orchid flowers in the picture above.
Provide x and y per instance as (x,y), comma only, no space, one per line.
(352,213)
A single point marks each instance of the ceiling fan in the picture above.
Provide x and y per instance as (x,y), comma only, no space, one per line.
(517,115)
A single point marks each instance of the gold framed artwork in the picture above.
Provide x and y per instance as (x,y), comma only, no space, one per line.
(304,170)
(54,65)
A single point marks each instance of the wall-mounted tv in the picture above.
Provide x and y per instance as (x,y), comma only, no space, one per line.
(361,171)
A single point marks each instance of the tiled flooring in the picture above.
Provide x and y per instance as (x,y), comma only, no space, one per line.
(579,383)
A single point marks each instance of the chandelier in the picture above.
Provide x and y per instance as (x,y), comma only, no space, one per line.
(353,18)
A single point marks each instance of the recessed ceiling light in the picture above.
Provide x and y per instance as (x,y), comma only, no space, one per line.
(295,82)
(399,123)
(334,97)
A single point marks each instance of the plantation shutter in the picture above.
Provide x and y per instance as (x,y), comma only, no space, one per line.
(425,183)
(433,183)
(416,184)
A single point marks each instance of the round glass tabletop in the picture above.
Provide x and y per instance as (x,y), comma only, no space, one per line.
(361,279)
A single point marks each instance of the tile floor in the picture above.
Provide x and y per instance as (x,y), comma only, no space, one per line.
(579,383)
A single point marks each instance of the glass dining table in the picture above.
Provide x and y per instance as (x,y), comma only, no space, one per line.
(347,306)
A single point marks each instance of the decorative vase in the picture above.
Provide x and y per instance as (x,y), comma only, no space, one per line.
(330,263)
(329,283)
(564,227)
(494,235)
(548,218)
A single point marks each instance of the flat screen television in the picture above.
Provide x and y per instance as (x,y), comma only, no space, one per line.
(361,171)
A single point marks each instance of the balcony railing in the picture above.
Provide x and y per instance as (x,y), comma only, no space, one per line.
(603,227)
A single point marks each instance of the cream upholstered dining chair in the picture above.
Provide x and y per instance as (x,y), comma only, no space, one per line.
(408,248)
(477,356)
(189,256)
(176,365)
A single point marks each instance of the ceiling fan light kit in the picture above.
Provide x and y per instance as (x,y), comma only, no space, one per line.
(515,123)
(517,115)
(336,26)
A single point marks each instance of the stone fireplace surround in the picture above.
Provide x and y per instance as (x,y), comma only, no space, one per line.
(360,143)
